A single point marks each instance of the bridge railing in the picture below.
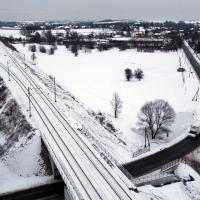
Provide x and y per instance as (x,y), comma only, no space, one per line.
(150,177)
(161,174)
(172,164)
(191,56)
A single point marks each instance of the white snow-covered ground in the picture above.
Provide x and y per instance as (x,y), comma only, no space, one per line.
(94,77)
(178,190)
(10,33)
(22,166)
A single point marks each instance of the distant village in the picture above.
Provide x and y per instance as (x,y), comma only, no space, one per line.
(106,34)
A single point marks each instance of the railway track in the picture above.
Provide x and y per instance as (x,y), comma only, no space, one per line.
(114,186)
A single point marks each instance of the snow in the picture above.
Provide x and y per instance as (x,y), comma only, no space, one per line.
(87,77)
(10,181)
(177,190)
(88,31)
(65,145)
(21,167)
(10,33)
(122,38)
(94,77)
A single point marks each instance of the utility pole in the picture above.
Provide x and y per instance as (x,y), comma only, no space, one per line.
(190,72)
(54,83)
(196,96)
(25,61)
(147,143)
(145,139)
(8,71)
(29,101)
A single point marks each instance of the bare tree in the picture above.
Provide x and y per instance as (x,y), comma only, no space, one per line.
(116,103)
(156,116)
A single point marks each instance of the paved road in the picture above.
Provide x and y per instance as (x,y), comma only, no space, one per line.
(155,161)
(53,191)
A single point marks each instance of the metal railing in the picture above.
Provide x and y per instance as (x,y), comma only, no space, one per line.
(141,151)
(172,164)
(161,174)
(150,177)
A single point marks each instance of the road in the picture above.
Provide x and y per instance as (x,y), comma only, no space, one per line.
(155,161)
(53,191)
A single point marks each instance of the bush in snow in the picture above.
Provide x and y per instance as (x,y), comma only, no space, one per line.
(104,121)
(101,117)
(32,48)
(51,51)
(139,74)
(128,74)
(156,117)
(42,49)
(110,127)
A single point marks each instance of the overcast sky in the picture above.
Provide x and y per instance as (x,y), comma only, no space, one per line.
(99,9)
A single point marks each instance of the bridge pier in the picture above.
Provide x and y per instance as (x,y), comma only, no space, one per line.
(67,195)
(49,163)
(54,169)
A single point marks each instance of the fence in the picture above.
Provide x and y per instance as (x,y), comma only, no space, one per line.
(153,177)
(160,175)
(141,151)
(172,164)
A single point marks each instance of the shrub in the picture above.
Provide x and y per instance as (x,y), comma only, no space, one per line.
(128,74)
(51,51)
(32,48)
(139,74)
(42,49)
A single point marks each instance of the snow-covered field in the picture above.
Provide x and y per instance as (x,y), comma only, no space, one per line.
(94,77)
(16,33)
(10,33)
